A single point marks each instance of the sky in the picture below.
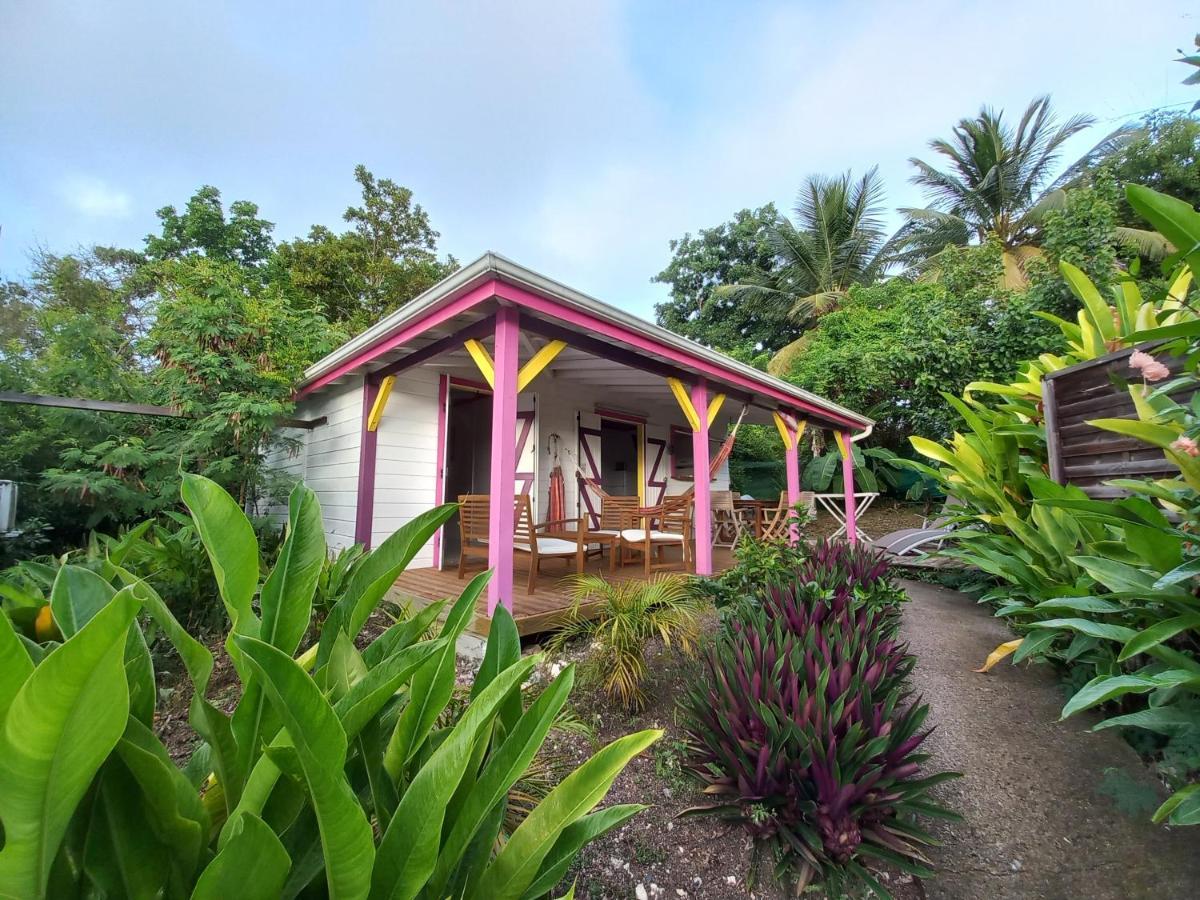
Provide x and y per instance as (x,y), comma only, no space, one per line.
(576,138)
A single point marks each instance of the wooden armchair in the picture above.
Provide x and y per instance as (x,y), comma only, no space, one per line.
(547,540)
(666,525)
(728,521)
(616,514)
(776,521)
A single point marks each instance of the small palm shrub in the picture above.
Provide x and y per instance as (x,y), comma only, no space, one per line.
(805,730)
(621,619)
(339,773)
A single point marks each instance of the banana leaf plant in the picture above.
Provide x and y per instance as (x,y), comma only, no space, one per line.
(339,773)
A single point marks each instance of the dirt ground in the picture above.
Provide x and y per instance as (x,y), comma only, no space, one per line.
(659,853)
(1051,810)
(882,517)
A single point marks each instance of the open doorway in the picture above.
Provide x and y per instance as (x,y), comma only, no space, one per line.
(468,457)
(619,458)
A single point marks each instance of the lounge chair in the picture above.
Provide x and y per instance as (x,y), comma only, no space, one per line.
(912,542)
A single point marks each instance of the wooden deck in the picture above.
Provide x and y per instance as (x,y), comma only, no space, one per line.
(535,613)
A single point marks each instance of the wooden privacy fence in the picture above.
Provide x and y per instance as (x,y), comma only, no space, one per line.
(1085,456)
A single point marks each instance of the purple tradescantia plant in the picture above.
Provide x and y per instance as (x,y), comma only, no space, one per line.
(805,728)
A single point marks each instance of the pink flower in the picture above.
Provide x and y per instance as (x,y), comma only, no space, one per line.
(1186,445)
(1151,368)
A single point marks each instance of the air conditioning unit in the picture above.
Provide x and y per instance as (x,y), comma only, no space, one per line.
(8,506)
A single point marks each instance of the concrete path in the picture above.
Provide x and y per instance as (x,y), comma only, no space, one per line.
(1037,824)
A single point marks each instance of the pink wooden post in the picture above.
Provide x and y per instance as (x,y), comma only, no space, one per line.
(504,459)
(364,517)
(848,487)
(703,493)
(792,458)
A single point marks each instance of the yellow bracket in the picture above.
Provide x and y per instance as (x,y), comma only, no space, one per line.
(841,442)
(714,407)
(483,360)
(784,431)
(539,361)
(685,402)
(381,399)
(800,426)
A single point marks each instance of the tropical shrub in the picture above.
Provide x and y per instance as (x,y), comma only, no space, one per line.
(338,772)
(805,731)
(755,562)
(1106,589)
(622,618)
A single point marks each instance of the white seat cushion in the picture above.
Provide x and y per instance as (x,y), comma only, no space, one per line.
(607,532)
(548,546)
(638,535)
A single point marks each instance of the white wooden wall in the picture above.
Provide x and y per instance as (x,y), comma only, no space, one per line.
(406,457)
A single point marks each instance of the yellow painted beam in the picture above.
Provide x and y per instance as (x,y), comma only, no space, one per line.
(685,402)
(784,431)
(539,361)
(714,407)
(483,360)
(800,426)
(841,442)
(381,399)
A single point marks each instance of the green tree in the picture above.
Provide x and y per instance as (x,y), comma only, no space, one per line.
(1164,156)
(204,228)
(229,349)
(837,241)
(388,257)
(1001,182)
(725,254)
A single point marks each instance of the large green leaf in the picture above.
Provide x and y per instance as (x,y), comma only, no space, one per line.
(62,723)
(15,664)
(573,839)
(1097,309)
(516,866)
(77,595)
(287,593)
(378,572)
(506,765)
(171,808)
(210,722)
(1146,640)
(368,695)
(1175,219)
(1108,687)
(409,849)
(1181,808)
(320,743)
(503,650)
(433,684)
(122,857)
(1161,719)
(232,548)
(252,866)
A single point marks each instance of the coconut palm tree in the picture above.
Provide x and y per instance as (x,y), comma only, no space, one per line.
(837,241)
(1000,181)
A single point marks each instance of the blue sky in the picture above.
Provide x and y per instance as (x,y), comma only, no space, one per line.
(575,138)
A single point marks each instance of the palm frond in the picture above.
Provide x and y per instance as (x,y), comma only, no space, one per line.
(1148,244)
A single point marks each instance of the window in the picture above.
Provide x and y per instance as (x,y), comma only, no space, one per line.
(683,465)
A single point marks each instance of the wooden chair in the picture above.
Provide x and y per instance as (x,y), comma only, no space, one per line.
(728,520)
(539,542)
(663,526)
(776,521)
(616,513)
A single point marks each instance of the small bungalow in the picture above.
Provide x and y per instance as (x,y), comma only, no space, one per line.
(594,423)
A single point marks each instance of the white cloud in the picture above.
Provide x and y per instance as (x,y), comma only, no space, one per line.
(95,197)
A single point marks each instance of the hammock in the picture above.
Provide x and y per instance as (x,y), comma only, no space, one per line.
(558,497)
(672,503)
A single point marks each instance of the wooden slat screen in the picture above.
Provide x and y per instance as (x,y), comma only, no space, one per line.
(1085,456)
